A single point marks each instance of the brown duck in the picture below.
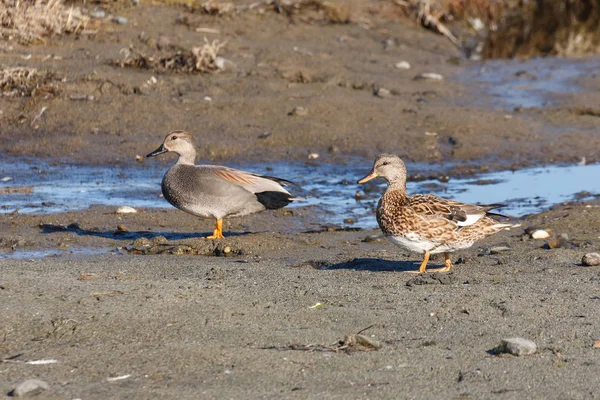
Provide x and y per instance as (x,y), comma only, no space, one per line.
(425,223)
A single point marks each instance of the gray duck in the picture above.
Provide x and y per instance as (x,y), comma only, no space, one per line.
(213,191)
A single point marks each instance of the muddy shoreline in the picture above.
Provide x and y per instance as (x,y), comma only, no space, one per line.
(141,306)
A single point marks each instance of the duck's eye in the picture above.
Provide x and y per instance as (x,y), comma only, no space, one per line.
(385,163)
(173,137)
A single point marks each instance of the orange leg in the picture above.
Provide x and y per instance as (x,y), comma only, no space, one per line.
(423,267)
(447,265)
(218,232)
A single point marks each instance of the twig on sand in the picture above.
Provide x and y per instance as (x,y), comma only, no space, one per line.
(43,110)
(352,342)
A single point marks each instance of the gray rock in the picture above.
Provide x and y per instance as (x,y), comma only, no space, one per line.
(120,20)
(517,347)
(30,387)
(591,259)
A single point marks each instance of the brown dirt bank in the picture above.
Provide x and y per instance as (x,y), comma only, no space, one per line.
(213,327)
(99,113)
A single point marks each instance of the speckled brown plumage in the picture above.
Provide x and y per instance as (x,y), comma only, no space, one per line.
(427,223)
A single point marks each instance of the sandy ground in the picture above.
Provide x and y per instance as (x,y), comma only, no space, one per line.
(145,298)
(239,326)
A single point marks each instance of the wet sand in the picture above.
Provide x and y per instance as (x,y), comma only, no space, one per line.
(143,297)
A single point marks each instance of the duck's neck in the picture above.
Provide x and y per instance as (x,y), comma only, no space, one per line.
(397,185)
(187,159)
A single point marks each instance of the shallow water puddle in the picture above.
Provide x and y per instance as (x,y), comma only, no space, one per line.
(536,82)
(25,254)
(331,188)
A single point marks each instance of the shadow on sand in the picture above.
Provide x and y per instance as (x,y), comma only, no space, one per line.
(127,235)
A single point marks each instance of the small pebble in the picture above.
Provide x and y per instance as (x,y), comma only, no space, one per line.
(299,111)
(333,149)
(227,250)
(349,221)
(119,20)
(6,179)
(372,239)
(540,234)
(122,228)
(264,135)
(596,344)
(430,76)
(97,14)
(207,98)
(402,65)
(126,210)
(139,158)
(496,249)
(591,259)
(517,347)
(313,156)
(30,387)
(383,93)
(224,64)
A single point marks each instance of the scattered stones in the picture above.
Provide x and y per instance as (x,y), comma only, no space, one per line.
(432,76)
(30,387)
(554,243)
(373,239)
(120,20)
(142,242)
(516,346)
(540,234)
(383,93)
(126,210)
(402,65)
(591,259)
(299,111)
(431,279)
(496,249)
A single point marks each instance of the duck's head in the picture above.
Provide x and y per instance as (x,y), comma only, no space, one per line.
(179,142)
(388,166)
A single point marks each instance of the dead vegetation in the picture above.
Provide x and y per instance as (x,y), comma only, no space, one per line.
(429,15)
(202,59)
(26,82)
(308,11)
(32,21)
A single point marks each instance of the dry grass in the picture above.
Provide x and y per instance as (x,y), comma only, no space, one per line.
(430,15)
(303,10)
(34,20)
(201,59)
(20,81)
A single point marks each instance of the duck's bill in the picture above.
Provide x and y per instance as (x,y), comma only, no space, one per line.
(158,151)
(371,175)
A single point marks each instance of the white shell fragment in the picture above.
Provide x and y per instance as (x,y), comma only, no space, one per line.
(402,65)
(540,234)
(430,75)
(126,210)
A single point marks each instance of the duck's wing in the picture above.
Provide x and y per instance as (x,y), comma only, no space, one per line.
(431,207)
(253,183)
